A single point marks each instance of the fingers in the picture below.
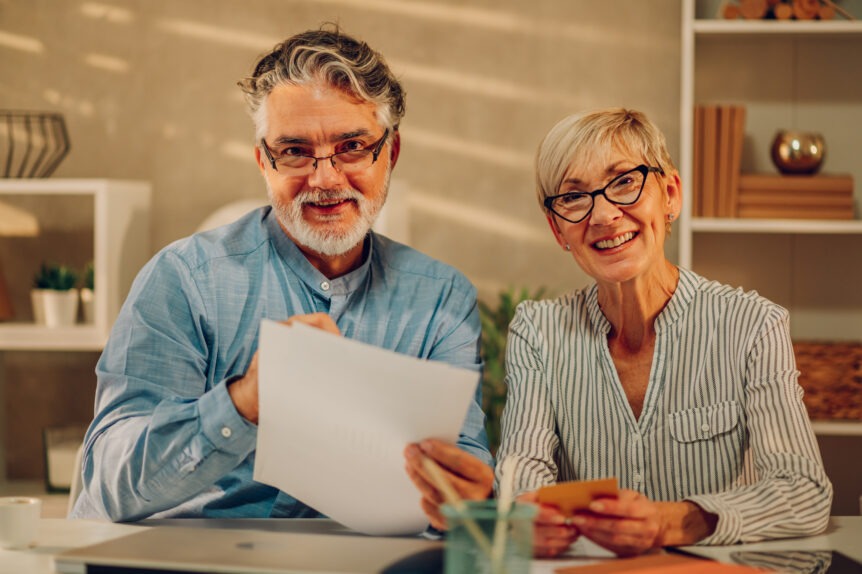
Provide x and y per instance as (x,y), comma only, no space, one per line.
(318,320)
(477,485)
(243,393)
(627,525)
(551,541)
(471,478)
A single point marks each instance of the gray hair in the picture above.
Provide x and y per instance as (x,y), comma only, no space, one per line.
(584,137)
(330,57)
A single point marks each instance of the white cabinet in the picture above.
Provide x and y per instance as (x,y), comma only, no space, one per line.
(105,222)
(791,74)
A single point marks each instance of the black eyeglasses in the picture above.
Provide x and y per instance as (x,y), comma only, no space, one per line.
(292,162)
(624,189)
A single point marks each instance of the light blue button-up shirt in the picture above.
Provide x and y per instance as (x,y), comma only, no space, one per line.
(166,439)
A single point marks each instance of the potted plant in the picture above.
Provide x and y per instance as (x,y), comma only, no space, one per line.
(88,295)
(54,298)
(495,330)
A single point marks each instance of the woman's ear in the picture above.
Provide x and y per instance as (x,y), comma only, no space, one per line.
(555,229)
(673,195)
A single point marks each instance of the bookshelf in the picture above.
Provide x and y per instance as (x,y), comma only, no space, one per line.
(788,75)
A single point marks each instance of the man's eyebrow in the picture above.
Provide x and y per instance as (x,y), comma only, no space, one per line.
(297,140)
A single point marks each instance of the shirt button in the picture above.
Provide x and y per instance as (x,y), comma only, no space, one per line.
(704,427)
(226,432)
(636,437)
(325,285)
(637,477)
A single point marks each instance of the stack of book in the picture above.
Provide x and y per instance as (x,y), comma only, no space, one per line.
(774,196)
(719,131)
(720,190)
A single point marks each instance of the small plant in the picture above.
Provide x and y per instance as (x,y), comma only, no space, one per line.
(495,330)
(56,277)
(89,274)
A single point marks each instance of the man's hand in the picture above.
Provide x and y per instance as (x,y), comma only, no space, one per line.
(243,392)
(632,524)
(471,478)
(552,533)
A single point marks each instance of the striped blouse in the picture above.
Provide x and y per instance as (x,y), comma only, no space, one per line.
(723,424)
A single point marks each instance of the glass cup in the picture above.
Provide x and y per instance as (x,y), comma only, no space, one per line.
(19,521)
(478,543)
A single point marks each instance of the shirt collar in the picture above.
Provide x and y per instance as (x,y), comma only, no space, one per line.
(685,290)
(305,271)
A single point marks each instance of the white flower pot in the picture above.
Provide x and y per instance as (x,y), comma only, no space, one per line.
(55,308)
(88,298)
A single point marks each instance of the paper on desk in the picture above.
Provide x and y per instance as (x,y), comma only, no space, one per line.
(335,416)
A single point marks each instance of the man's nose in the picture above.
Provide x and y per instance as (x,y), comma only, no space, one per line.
(326,175)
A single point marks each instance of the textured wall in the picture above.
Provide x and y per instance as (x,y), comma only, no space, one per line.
(148,91)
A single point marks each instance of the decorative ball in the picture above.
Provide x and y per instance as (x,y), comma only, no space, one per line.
(798,152)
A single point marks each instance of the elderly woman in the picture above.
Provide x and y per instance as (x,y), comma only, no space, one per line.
(682,388)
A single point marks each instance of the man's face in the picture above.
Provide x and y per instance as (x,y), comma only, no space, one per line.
(327,210)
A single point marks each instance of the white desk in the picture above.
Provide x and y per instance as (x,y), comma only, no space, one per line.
(58,535)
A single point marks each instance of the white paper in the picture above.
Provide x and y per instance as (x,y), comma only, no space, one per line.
(335,416)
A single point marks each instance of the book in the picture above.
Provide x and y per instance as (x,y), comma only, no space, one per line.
(697,164)
(710,141)
(737,141)
(723,171)
(796,183)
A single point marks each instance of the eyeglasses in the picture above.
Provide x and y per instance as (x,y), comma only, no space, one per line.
(624,189)
(293,162)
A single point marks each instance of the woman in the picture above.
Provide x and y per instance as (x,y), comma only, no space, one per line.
(682,388)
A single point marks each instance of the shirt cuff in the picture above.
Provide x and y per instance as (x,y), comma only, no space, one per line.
(223,426)
(728,530)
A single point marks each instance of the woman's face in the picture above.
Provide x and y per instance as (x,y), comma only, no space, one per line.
(618,243)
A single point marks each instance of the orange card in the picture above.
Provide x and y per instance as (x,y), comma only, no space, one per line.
(576,494)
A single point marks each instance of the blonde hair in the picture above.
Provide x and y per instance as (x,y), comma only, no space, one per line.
(583,137)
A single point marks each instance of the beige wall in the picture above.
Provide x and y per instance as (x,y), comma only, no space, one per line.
(148,89)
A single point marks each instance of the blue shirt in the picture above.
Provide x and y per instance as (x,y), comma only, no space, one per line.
(166,439)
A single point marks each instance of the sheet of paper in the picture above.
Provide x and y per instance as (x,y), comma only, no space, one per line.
(335,416)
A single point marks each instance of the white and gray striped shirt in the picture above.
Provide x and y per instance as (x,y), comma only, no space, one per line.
(723,424)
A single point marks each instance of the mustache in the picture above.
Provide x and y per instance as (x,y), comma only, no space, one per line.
(318,196)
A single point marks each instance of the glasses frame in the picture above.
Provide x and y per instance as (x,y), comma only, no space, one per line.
(645,170)
(375,149)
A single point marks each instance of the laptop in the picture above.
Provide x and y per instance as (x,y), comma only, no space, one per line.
(174,549)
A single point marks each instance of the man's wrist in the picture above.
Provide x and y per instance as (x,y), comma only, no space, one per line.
(684,523)
(238,389)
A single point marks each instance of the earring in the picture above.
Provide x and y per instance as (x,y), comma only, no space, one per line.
(567,247)
(670,216)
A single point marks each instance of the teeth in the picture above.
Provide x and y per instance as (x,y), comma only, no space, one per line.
(616,241)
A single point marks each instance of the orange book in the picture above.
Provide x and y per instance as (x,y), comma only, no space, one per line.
(737,141)
(710,141)
(722,176)
(697,164)
(796,183)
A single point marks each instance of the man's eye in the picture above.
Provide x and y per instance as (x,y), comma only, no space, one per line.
(294,151)
(352,145)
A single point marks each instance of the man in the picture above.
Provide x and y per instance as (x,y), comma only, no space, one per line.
(177,403)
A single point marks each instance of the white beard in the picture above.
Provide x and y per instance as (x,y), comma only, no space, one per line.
(319,238)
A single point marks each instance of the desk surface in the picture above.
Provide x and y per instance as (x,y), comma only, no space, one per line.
(58,535)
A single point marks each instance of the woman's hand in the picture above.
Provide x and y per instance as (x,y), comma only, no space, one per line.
(552,533)
(632,524)
(471,478)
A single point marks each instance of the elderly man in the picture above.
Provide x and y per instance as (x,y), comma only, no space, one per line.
(177,400)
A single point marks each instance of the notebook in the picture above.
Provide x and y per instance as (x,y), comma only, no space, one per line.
(162,549)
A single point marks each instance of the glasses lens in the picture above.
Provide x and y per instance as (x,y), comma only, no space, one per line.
(294,162)
(572,206)
(626,188)
(352,160)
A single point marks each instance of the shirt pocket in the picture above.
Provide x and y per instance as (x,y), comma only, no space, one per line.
(707,448)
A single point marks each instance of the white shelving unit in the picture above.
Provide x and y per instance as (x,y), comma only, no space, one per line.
(792,74)
(788,74)
(118,213)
